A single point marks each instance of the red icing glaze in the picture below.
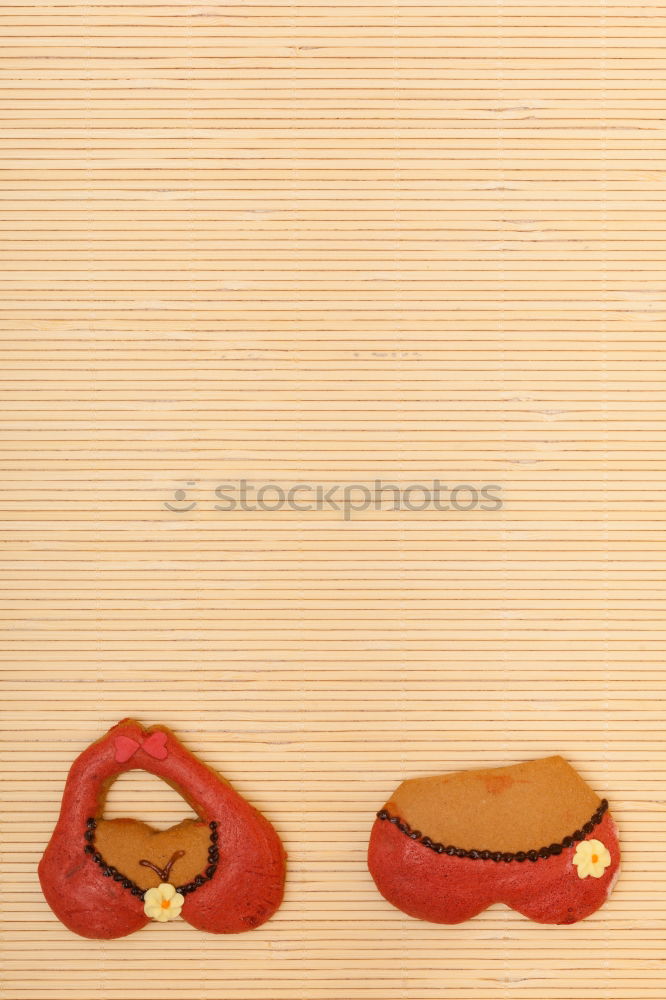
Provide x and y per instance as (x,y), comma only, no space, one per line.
(448,890)
(247,887)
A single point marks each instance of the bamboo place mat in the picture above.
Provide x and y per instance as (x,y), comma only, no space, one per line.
(329,243)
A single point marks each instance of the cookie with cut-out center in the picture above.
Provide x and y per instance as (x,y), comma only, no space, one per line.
(223,872)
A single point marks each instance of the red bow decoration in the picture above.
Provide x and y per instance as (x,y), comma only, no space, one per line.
(154,745)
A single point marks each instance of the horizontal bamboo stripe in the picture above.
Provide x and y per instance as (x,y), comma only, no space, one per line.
(328,244)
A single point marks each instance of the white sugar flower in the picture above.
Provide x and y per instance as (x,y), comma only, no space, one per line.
(163,903)
(591,858)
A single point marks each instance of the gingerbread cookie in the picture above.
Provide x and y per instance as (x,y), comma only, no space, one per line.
(223,872)
(533,836)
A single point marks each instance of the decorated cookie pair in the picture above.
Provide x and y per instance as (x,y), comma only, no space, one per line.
(533,836)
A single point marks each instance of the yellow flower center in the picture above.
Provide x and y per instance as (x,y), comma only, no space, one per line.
(165,904)
(595,858)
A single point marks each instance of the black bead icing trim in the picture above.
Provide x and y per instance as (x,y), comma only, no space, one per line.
(110,872)
(474,854)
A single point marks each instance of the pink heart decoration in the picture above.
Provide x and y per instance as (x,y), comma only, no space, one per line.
(154,745)
(125,748)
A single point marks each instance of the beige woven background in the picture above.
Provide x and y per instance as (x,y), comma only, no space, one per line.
(325,242)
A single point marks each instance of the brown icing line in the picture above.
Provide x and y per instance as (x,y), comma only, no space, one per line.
(166,871)
(484,855)
(110,872)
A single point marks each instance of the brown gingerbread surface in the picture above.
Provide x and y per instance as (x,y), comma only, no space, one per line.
(124,843)
(517,808)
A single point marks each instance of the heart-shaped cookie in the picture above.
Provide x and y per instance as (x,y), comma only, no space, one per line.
(223,872)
